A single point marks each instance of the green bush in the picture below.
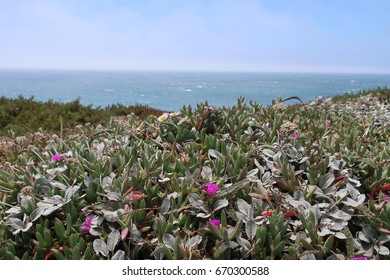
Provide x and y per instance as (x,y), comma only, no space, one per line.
(22,115)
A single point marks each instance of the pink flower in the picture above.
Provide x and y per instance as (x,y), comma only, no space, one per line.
(361,258)
(87,223)
(215,222)
(362,106)
(294,136)
(56,157)
(327,122)
(386,197)
(211,188)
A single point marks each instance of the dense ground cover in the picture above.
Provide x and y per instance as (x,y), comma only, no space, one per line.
(26,115)
(243,182)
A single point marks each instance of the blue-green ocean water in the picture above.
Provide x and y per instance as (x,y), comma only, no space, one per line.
(172,90)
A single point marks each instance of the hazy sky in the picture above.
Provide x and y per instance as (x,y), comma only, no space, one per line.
(229,35)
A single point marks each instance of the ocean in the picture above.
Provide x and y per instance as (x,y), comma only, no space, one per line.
(171,90)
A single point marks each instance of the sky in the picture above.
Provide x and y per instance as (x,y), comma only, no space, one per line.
(350,36)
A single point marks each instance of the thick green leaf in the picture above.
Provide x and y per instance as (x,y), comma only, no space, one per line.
(59,229)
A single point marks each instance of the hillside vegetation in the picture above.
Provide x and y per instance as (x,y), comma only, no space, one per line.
(308,181)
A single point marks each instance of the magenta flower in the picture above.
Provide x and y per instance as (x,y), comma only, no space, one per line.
(215,222)
(56,157)
(386,197)
(362,106)
(361,258)
(87,223)
(294,136)
(211,188)
(328,122)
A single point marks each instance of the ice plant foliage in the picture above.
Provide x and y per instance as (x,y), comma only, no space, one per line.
(230,183)
(211,189)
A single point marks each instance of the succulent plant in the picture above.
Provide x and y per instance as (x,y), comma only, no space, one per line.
(205,183)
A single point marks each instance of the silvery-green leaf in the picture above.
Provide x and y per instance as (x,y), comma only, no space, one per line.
(250,229)
(268,153)
(164,180)
(95,231)
(338,214)
(59,185)
(207,173)
(14,210)
(342,193)
(197,202)
(370,232)
(336,257)
(243,243)
(243,206)
(334,165)
(110,216)
(304,159)
(383,250)
(54,200)
(50,204)
(350,202)
(214,153)
(308,257)
(134,232)
(192,242)
(354,182)
(337,226)
(220,203)
(19,225)
(119,255)
(261,168)
(203,215)
(173,195)
(165,205)
(36,214)
(326,180)
(340,235)
(277,158)
(114,196)
(106,183)
(384,238)
(361,198)
(113,239)
(169,240)
(230,188)
(70,192)
(87,181)
(57,170)
(100,247)
(353,192)
(324,231)
(252,174)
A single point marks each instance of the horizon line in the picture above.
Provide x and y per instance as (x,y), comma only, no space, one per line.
(193,71)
